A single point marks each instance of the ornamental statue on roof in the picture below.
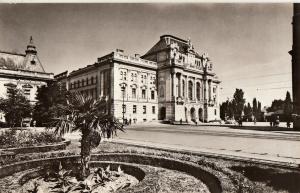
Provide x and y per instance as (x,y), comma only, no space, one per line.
(190,45)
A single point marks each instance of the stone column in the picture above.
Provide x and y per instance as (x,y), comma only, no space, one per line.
(179,85)
(210,90)
(172,85)
(195,89)
(186,87)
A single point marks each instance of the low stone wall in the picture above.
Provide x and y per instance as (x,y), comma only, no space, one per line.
(10,169)
(5,155)
(127,160)
(41,148)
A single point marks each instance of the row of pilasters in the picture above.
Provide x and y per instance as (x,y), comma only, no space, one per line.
(206,95)
(206,87)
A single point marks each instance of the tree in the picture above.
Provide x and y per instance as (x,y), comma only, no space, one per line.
(238,103)
(276,105)
(49,98)
(224,110)
(248,111)
(15,107)
(254,106)
(288,107)
(90,117)
(258,113)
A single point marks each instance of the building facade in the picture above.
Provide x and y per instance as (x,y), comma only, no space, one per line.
(171,82)
(22,71)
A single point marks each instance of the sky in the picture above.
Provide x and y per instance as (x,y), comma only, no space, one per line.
(247,43)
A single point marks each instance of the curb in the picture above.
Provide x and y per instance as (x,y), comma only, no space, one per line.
(41,148)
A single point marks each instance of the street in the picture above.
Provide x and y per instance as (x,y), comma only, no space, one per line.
(270,144)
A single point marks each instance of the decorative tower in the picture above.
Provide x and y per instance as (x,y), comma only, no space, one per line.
(295,52)
(31,49)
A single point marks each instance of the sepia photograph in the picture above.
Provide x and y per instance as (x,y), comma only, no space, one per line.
(149,97)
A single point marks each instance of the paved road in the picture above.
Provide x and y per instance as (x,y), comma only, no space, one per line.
(287,145)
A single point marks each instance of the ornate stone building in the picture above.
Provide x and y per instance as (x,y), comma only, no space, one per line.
(171,82)
(23,71)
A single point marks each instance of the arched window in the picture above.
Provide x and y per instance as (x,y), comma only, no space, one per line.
(183,88)
(190,90)
(198,90)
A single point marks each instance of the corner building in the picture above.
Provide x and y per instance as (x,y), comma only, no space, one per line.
(171,82)
(22,71)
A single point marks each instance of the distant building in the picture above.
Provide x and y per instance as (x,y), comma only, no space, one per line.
(22,71)
(171,82)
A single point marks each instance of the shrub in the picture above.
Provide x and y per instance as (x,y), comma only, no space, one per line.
(7,137)
(11,138)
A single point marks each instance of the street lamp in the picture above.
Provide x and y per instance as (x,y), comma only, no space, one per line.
(123,105)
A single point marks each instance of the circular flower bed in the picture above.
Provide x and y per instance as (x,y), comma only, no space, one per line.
(155,174)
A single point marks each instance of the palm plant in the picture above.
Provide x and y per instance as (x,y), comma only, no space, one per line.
(92,118)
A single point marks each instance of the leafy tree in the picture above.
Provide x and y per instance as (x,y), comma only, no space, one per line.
(224,109)
(254,106)
(49,98)
(259,113)
(288,106)
(238,103)
(248,111)
(15,107)
(90,117)
(276,105)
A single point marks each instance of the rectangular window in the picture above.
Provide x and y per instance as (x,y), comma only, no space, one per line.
(144,109)
(125,76)
(215,111)
(152,95)
(153,109)
(134,93)
(134,109)
(121,75)
(214,90)
(143,93)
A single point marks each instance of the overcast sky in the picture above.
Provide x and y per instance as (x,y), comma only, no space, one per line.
(247,43)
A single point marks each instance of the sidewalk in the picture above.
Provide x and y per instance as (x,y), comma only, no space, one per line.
(274,160)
